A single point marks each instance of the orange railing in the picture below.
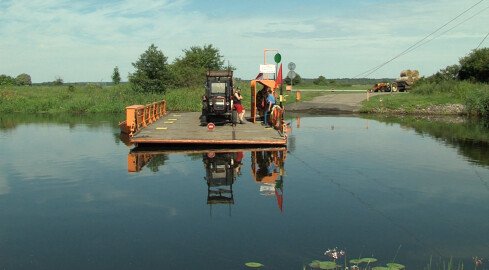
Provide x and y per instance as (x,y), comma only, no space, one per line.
(140,116)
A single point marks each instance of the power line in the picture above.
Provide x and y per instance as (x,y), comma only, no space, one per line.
(372,70)
(482,10)
(482,41)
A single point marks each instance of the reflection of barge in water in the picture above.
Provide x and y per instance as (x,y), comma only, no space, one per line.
(222,166)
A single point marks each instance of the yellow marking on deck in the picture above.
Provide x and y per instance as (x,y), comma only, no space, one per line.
(168,122)
(176,115)
(172,119)
(161,128)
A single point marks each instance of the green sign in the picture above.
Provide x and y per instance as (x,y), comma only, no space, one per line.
(278,58)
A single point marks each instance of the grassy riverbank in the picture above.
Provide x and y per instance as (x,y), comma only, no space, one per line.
(454,97)
(448,97)
(94,98)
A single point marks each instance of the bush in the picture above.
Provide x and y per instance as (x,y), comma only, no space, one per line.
(6,80)
(475,66)
(320,81)
(23,79)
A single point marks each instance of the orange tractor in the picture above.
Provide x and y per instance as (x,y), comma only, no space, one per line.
(381,87)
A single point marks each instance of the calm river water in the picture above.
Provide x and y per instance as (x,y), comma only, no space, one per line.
(74,196)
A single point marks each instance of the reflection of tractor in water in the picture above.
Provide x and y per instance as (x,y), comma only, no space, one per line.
(217,102)
(221,171)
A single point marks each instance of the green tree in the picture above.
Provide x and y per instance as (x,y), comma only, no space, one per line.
(447,74)
(23,79)
(320,81)
(475,66)
(297,80)
(6,80)
(189,70)
(58,81)
(151,73)
(116,76)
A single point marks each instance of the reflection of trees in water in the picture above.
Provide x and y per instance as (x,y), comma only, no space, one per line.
(470,136)
(156,161)
(477,152)
(94,120)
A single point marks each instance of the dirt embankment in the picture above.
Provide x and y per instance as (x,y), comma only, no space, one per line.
(446,109)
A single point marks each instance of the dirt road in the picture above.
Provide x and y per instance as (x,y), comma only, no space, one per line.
(331,103)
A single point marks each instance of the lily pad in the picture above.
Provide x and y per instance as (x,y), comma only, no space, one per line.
(396,266)
(382,268)
(356,261)
(328,265)
(314,264)
(254,264)
(368,260)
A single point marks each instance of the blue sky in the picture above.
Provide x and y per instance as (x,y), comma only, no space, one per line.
(85,40)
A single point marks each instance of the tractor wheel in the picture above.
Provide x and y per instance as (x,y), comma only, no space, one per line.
(203,120)
(394,87)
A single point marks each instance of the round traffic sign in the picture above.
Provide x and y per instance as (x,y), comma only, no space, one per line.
(291,66)
(277,58)
(210,126)
(291,74)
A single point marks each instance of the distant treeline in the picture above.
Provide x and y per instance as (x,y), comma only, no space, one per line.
(346,81)
(77,83)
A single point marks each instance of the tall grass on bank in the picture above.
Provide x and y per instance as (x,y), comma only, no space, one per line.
(477,101)
(91,98)
(455,89)
(475,96)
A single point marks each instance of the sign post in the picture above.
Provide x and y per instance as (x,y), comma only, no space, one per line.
(291,76)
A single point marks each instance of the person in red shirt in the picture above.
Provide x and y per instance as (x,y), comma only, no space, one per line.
(238,106)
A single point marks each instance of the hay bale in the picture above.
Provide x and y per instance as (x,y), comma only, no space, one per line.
(415,73)
(406,73)
(402,79)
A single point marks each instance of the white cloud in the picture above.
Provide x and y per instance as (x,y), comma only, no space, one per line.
(84,41)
